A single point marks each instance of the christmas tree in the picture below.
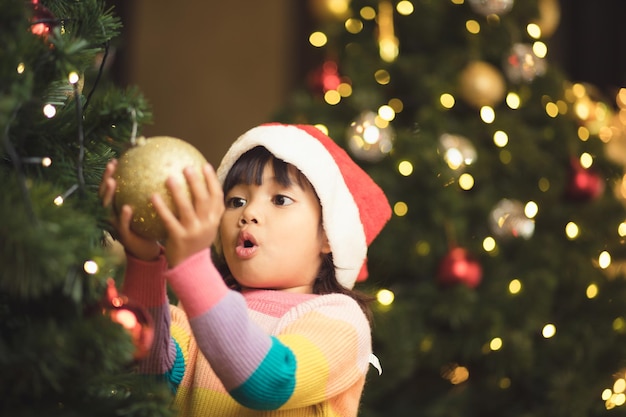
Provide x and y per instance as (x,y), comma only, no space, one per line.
(68,340)
(499,279)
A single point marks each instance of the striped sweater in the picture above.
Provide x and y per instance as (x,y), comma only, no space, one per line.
(260,353)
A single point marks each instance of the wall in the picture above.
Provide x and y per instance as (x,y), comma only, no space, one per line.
(211,69)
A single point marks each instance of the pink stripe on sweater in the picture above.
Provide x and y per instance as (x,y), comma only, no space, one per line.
(197,283)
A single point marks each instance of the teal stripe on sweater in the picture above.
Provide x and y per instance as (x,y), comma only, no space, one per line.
(272,383)
(175,375)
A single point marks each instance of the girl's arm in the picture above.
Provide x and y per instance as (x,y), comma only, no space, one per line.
(322,350)
(145,284)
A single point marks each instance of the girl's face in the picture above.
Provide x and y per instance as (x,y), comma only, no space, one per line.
(271,234)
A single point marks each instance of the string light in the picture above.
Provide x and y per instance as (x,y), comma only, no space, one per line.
(487,114)
(90,267)
(604,260)
(318,39)
(59,200)
(513,100)
(405,168)
(495,344)
(44,161)
(500,138)
(385,297)
(515,286)
(572,231)
(400,209)
(447,100)
(489,244)
(49,111)
(548,331)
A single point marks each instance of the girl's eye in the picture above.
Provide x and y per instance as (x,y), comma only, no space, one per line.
(235,202)
(282,200)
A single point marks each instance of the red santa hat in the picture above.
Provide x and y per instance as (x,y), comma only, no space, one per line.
(354,208)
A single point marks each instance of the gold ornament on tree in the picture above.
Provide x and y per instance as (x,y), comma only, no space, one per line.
(481,84)
(142,171)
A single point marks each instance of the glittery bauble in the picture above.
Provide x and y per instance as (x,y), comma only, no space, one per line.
(132,317)
(508,219)
(487,7)
(366,140)
(457,150)
(522,65)
(142,171)
(458,266)
(481,84)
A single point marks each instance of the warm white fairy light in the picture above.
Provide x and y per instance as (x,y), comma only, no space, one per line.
(515,286)
(552,109)
(586,160)
(500,138)
(405,168)
(604,260)
(49,111)
(368,13)
(21,68)
(73,77)
(385,297)
(354,26)
(447,100)
(513,100)
(531,209)
(489,244)
(90,267)
(487,114)
(548,331)
(318,39)
(592,291)
(472,26)
(495,344)
(332,97)
(344,89)
(382,77)
(59,200)
(45,161)
(621,229)
(405,7)
(572,231)
(400,209)
(540,49)
(533,30)
(386,113)
(466,181)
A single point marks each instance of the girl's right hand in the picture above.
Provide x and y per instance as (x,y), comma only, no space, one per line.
(137,246)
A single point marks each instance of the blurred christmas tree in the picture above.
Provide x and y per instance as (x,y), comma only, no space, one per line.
(64,344)
(501,274)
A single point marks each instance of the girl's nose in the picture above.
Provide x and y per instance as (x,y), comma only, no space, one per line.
(248,216)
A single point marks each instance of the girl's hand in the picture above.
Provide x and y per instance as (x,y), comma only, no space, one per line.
(137,246)
(199,215)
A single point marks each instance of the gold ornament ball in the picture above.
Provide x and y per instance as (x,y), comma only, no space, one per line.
(142,171)
(481,84)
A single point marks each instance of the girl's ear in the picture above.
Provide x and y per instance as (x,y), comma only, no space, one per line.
(325,243)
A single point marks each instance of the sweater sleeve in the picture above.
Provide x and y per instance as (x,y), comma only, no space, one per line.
(321,350)
(145,284)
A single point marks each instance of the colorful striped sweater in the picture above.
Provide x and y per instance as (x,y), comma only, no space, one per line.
(260,353)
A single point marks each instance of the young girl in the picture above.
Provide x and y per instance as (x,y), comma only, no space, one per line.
(278,330)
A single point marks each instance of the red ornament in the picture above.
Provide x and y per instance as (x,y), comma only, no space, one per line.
(584,184)
(459,267)
(43,21)
(134,318)
(325,78)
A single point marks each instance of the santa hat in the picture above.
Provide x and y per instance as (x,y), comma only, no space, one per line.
(354,208)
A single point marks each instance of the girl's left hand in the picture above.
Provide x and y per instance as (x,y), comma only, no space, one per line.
(199,214)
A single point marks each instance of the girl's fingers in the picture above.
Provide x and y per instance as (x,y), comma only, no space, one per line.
(198,189)
(167,217)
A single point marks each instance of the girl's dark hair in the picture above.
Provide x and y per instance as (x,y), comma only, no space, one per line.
(248,169)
